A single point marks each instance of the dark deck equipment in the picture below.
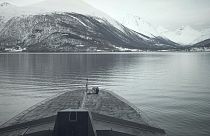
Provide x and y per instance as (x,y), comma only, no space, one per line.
(74,123)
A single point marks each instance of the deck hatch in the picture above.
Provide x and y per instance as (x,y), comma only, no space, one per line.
(73,116)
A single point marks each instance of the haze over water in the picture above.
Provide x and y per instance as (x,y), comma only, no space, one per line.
(172,89)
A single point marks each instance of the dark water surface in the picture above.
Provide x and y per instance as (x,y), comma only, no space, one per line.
(172,89)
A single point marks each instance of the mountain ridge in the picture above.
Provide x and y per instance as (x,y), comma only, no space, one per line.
(74,32)
(20,30)
(184,35)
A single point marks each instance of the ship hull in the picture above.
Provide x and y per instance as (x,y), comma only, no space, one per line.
(107,112)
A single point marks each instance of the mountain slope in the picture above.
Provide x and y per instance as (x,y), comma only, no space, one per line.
(185,35)
(201,46)
(74,32)
(45,27)
(139,25)
(205,43)
(204,35)
(7,11)
(76,6)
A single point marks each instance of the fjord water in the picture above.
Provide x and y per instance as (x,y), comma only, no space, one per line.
(171,89)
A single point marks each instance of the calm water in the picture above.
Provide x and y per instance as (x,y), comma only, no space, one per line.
(172,89)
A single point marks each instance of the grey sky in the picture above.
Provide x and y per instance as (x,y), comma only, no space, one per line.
(167,13)
(21,2)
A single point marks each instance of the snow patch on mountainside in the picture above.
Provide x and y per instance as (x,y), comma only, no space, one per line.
(48,6)
(8,10)
(139,25)
(77,6)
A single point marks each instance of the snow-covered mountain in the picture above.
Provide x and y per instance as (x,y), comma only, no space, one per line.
(7,11)
(51,6)
(130,25)
(185,35)
(138,24)
(204,34)
(81,28)
(77,6)
(74,32)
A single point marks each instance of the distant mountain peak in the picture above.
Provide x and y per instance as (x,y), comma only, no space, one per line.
(184,35)
(139,25)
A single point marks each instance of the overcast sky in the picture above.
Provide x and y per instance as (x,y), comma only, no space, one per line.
(167,13)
